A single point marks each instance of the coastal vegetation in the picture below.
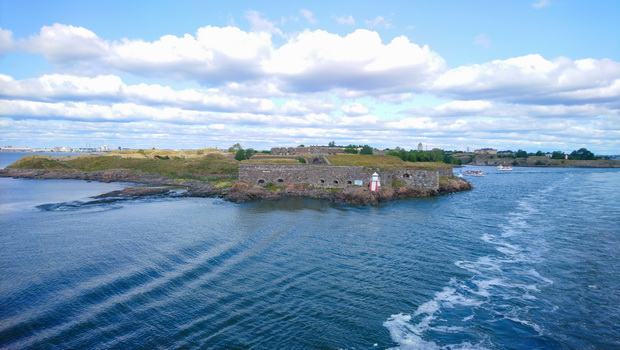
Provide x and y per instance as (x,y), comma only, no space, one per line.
(435,155)
(169,164)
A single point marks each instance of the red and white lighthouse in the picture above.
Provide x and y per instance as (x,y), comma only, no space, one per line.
(375,183)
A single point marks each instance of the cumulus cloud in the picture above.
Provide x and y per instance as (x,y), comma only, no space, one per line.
(288,90)
(110,88)
(309,61)
(214,56)
(477,109)
(60,43)
(322,61)
(534,79)
(6,41)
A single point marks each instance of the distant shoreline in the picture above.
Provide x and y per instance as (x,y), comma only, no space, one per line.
(545,162)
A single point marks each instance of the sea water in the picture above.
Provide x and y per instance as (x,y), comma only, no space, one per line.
(527,260)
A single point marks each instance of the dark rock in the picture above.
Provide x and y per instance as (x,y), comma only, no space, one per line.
(135,192)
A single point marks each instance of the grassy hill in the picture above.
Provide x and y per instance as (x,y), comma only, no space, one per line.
(207,164)
(383,162)
(378,162)
(200,163)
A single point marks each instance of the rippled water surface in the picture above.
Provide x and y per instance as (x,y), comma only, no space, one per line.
(527,260)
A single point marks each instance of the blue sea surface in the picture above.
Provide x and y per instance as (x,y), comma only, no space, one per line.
(527,260)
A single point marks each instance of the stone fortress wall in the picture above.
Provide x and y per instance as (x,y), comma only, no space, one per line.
(334,176)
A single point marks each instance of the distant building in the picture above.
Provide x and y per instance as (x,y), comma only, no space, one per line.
(420,147)
(16,149)
(485,151)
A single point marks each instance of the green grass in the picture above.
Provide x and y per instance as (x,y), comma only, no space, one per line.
(212,164)
(40,162)
(382,162)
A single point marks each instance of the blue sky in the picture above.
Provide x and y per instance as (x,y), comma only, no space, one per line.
(540,74)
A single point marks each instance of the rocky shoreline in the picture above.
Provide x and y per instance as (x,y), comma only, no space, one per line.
(239,192)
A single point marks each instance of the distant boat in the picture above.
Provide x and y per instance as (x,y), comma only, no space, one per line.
(504,168)
(475,173)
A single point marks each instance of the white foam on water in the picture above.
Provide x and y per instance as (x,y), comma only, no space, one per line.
(406,335)
(532,325)
(409,336)
(495,277)
(468,318)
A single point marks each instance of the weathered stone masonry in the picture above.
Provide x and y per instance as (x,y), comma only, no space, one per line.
(333,176)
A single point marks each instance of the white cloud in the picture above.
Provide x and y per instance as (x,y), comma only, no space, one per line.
(260,24)
(421,123)
(355,109)
(541,3)
(61,43)
(310,61)
(346,20)
(308,15)
(533,79)
(111,89)
(307,107)
(213,56)
(6,41)
(322,61)
(289,90)
(482,41)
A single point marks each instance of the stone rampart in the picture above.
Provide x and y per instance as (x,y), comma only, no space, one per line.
(333,176)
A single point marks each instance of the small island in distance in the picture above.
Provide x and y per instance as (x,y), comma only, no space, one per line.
(338,174)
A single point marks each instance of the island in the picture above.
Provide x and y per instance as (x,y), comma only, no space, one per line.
(337,177)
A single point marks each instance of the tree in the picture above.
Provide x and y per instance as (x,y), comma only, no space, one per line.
(540,154)
(557,155)
(240,155)
(249,153)
(352,149)
(366,150)
(332,144)
(521,154)
(234,148)
(582,154)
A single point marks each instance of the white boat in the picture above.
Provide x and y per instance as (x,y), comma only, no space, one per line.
(504,168)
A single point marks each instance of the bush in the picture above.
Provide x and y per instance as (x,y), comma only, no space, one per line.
(351,149)
(240,155)
(366,150)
